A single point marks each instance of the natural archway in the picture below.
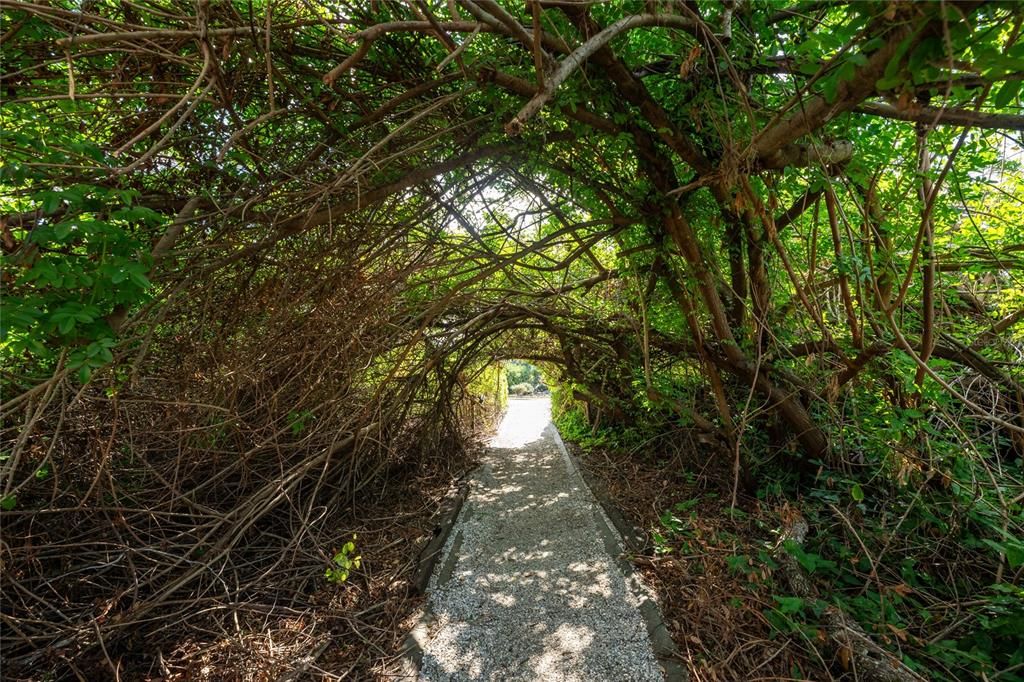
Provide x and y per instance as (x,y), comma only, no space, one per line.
(260,257)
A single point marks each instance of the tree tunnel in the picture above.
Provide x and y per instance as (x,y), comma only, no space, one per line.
(259,258)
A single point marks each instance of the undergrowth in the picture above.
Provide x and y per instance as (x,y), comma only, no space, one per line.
(926,556)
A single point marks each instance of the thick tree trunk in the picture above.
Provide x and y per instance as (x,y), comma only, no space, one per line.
(660,170)
(729,356)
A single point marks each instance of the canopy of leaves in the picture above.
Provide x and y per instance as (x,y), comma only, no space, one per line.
(236,230)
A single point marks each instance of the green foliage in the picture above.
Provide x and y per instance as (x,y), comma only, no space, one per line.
(677,525)
(964,525)
(297,421)
(521,389)
(343,563)
(520,372)
(85,260)
(489,388)
(567,414)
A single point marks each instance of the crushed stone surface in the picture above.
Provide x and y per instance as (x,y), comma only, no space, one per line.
(531,591)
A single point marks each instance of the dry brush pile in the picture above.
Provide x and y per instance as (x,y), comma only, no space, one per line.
(209,475)
(245,381)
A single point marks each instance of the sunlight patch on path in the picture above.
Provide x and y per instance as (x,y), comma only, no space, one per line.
(528,589)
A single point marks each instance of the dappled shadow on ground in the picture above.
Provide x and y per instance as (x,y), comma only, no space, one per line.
(534,594)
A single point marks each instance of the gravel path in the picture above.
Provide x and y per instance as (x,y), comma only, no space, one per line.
(528,589)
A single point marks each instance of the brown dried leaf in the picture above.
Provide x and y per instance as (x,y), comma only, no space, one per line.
(844,657)
(691,59)
(900,633)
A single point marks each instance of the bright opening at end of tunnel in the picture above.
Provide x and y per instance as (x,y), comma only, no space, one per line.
(524,422)
(525,378)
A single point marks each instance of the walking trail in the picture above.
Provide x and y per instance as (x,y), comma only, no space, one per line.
(529,587)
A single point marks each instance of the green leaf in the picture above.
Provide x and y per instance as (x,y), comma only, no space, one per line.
(889,82)
(137,214)
(857,493)
(9,502)
(738,563)
(873,44)
(1006,93)
(1013,550)
(790,604)
(893,74)
(139,280)
(1015,554)
(51,201)
(829,88)
(809,68)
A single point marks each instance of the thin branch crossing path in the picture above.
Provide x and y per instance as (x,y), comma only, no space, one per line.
(529,587)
